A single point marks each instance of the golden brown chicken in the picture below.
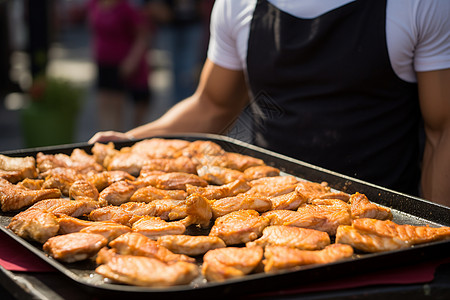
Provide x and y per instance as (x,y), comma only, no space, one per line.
(335,211)
(231,262)
(150,193)
(166,209)
(239,227)
(257,172)
(227,205)
(15,169)
(83,189)
(219,175)
(314,190)
(30,184)
(368,242)
(109,230)
(180,164)
(153,227)
(278,258)
(361,207)
(290,200)
(294,218)
(144,271)
(295,237)
(173,180)
(14,198)
(214,192)
(134,243)
(111,213)
(60,178)
(101,151)
(35,225)
(190,245)
(272,186)
(74,208)
(409,233)
(75,246)
(159,148)
(104,179)
(119,192)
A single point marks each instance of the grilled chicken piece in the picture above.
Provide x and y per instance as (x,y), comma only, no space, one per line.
(295,237)
(290,200)
(227,205)
(294,218)
(173,181)
(280,258)
(144,271)
(60,178)
(409,233)
(201,149)
(111,213)
(68,224)
(232,262)
(119,192)
(159,148)
(314,190)
(75,246)
(272,186)
(198,210)
(101,151)
(109,230)
(30,184)
(361,207)
(219,175)
(79,161)
(368,242)
(239,227)
(83,189)
(153,227)
(241,162)
(104,179)
(15,169)
(134,243)
(214,192)
(150,193)
(14,198)
(61,206)
(335,211)
(190,245)
(129,162)
(180,164)
(258,172)
(35,225)
(166,209)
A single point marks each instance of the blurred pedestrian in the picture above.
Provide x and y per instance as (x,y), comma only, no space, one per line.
(120,33)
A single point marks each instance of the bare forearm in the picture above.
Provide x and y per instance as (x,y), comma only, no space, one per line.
(436,171)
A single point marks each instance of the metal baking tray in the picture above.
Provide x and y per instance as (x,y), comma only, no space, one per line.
(406,210)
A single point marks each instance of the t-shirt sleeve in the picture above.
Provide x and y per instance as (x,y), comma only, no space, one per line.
(222,49)
(433,36)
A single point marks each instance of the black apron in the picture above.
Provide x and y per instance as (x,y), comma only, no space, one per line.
(325,93)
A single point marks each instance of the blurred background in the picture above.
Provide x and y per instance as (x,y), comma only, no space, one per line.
(52,39)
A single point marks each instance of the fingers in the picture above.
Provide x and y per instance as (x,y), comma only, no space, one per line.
(109,136)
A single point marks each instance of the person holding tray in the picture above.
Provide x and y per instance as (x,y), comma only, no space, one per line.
(357,87)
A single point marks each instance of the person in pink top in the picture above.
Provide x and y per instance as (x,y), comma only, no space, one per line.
(120,36)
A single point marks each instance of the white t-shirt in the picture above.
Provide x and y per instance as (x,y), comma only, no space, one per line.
(417,31)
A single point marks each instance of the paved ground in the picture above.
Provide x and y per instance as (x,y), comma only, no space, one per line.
(70,58)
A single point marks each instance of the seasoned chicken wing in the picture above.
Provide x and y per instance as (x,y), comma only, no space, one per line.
(180,164)
(190,245)
(409,233)
(257,172)
(335,211)
(213,192)
(153,227)
(15,169)
(239,227)
(219,175)
(35,225)
(314,190)
(75,246)
(296,237)
(368,242)
(104,179)
(134,243)
(14,198)
(278,258)
(361,207)
(227,205)
(150,193)
(290,200)
(232,262)
(144,271)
